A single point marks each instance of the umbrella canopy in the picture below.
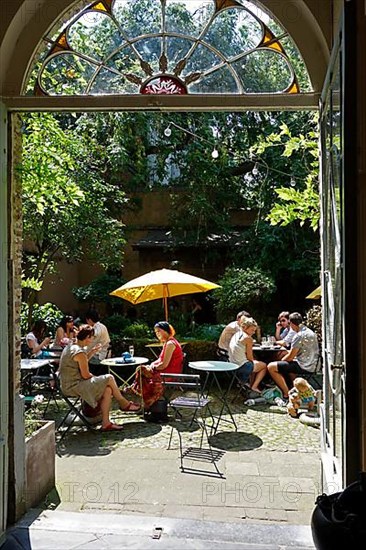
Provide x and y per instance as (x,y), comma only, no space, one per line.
(317,293)
(162,283)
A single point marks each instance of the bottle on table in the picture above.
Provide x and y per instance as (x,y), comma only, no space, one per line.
(131,350)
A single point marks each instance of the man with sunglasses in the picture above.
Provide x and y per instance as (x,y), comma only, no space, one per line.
(284,333)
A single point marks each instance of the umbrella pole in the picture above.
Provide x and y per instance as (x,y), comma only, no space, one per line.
(166,307)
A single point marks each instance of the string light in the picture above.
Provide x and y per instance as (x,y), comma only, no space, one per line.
(260,163)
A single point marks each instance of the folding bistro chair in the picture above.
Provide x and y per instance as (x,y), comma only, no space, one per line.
(190,406)
(74,413)
(315,378)
(46,383)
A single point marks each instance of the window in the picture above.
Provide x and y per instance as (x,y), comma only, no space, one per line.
(167,47)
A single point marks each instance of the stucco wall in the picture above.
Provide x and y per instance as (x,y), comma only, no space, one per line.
(152,211)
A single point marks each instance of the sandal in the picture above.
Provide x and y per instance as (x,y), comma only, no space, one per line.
(112,428)
(131,407)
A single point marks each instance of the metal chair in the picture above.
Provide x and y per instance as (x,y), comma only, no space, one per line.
(46,383)
(190,406)
(73,413)
(315,378)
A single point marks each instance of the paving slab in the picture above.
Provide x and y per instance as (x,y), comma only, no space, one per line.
(113,488)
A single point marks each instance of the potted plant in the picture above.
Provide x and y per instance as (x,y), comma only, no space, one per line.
(40,452)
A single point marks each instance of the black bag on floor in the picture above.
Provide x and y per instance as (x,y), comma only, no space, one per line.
(158,412)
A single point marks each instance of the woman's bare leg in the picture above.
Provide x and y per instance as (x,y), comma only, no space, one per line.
(105,405)
(122,401)
(260,371)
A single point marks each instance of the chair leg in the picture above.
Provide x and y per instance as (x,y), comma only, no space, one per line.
(77,414)
(51,396)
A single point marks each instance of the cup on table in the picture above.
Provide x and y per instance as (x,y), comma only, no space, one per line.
(264,342)
(131,350)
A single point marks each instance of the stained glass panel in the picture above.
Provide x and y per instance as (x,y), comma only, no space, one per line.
(232,46)
(188,16)
(150,50)
(107,82)
(67,74)
(233,32)
(264,71)
(201,60)
(94,35)
(126,61)
(219,82)
(176,49)
(138,17)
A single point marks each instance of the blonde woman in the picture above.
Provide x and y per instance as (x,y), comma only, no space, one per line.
(241,353)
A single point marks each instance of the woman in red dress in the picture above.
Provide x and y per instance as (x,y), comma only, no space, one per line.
(171,356)
(170,360)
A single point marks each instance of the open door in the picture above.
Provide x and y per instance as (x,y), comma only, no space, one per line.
(333,296)
(4,400)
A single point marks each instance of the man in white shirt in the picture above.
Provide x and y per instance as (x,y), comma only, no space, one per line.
(101,336)
(301,358)
(229,332)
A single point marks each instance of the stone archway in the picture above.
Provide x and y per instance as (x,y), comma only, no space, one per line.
(23,24)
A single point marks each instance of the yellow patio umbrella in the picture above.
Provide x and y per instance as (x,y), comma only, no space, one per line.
(317,293)
(162,283)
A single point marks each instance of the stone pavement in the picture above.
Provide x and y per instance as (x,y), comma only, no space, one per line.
(271,477)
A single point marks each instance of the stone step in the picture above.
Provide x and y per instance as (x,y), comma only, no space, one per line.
(41,530)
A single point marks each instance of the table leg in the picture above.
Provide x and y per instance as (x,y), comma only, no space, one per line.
(224,403)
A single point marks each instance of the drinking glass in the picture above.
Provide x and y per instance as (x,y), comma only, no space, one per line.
(131,350)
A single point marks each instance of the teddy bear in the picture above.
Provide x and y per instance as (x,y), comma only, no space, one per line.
(301,395)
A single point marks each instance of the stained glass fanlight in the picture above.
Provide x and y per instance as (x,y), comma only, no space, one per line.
(167,47)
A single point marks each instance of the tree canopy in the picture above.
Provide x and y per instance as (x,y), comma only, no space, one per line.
(70,211)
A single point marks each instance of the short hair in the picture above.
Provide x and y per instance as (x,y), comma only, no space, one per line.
(285,314)
(93,315)
(301,384)
(85,332)
(242,314)
(295,318)
(246,322)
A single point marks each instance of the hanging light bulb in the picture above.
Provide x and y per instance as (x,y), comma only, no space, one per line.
(215,154)
(255,170)
(293,182)
(167,131)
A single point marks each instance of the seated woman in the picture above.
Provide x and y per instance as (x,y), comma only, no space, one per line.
(76,379)
(241,353)
(170,360)
(36,339)
(65,331)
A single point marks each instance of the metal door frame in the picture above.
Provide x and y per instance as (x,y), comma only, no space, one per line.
(4,308)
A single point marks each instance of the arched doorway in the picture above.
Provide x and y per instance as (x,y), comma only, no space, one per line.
(314,51)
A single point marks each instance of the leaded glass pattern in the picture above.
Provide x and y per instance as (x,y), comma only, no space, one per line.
(167,47)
